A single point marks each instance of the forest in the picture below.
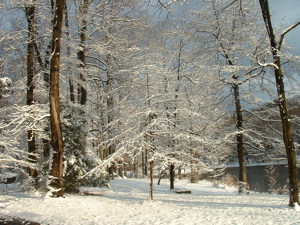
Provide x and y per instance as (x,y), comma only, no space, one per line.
(93,89)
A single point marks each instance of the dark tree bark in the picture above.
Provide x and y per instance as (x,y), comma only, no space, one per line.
(151,167)
(145,166)
(71,85)
(172,176)
(243,184)
(110,114)
(238,113)
(144,162)
(180,173)
(284,115)
(55,122)
(81,54)
(30,14)
(135,168)
(239,139)
(72,91)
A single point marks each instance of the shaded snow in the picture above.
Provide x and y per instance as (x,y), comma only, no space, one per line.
(127,203)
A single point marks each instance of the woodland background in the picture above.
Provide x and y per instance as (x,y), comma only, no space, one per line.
(142,85)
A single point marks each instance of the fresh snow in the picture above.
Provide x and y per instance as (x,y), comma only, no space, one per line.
(127,202)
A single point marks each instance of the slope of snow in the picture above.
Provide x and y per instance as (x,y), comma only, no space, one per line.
(127,203)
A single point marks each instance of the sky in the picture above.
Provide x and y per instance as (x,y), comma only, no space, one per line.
(287,12)
(287,9)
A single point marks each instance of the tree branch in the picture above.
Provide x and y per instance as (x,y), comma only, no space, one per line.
(266,64)
(285,32)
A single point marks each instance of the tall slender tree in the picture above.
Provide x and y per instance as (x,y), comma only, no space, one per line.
(30,15)
(81,54)
(71,82)
(283,109)
(227,31)
(55,121)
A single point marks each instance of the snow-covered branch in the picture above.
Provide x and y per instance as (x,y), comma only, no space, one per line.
(285,32)
(266,64)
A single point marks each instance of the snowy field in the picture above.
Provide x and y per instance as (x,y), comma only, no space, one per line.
(127,203)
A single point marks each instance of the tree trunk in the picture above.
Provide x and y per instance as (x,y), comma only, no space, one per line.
(124,170)
(146,161)
(81,54)
(30,14)
(193,175)
(110,119)
(71,85)
(180,173)
(151,167)
(284,115)
(46,77)
(287,134)
(135,168)
(111,150)
(172,176)
(243,186)
(55,122)
(238,114)
(120,169)
(143,163)
(101,152)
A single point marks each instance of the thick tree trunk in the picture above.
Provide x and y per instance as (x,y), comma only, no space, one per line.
(55,122)
(239,139)
(30,14)
(287,138)
(284,115)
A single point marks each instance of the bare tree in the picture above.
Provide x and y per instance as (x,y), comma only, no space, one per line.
(283,109)
(30,15)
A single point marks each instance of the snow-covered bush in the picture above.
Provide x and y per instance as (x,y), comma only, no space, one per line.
(5,83)
(79,158)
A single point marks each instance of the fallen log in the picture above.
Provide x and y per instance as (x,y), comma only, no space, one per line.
(184,192)
(17,221)
(92,193)
(8,180)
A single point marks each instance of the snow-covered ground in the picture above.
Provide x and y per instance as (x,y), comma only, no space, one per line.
(128,203)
